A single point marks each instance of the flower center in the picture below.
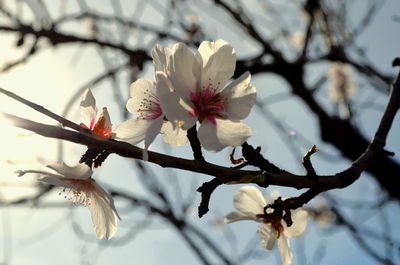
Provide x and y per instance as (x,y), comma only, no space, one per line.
(207,104)
(79,193)
(149,108)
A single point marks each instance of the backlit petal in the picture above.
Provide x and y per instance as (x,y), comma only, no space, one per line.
(88,108)
(268,236)
(173,136)
(218,60)
(240,96)
(80,171)
(232,133)
(152,132)
(284,250)
(236,216)
(103,212)
(207,134)
(132,131)
(299,218)
(249,201)
(161,58)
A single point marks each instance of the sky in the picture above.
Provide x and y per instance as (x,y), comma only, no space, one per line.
(42,236)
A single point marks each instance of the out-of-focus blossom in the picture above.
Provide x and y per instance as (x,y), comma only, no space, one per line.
(250,204)
(342,86)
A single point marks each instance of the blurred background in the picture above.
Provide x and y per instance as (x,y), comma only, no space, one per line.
(322,70)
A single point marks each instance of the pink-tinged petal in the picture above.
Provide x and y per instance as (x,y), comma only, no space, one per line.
(299,218)
(153,131)
(161,58)
(141,89)
(218,60)
(236,216)
(88,109)
(249,201)
(103,212)
(284,250)
(103,126)
(132,131)
(80,171)
(240,96)
(184,65)
(207,134)
(232,133)
(268,236)
(173,135)
(177,109)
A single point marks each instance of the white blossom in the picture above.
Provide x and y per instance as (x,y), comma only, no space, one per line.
(192,87)
(250,204)
(102,127)
(79,187)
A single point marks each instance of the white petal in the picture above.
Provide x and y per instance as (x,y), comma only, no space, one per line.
(55,180)
(249,201)
(299,218)
(176,108)
(284,250)
(140,89)
(173,136)
(161,57)
(240,96)
(153,131)
(236,216)
(88,108)
(132,131)
(268,236)
(184,65)
(207,134)
(103,212)
(232,133)
(218,61)
(80,171)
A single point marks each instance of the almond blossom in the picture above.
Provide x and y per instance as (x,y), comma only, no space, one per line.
(150,119)
(192,87)
(250,204)
(81,188)
(101,127)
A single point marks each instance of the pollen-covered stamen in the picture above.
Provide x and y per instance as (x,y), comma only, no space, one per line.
(149,108)
(208,103)
(79,191)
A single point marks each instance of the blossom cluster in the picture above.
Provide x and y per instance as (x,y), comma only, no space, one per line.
(188,88)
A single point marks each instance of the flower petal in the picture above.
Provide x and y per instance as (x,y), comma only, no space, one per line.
(249,201)
(80,171)
(173,136)
(299,218)
(218,60)
(103,212)
(153,131)
(284,250)
(232,133)
(207,134)
(177,109)
(88,109)
(140,89)
(240,96)
(161,58)
(268,236)
(132,131)
(183,69)
(55,180)
(236,216)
